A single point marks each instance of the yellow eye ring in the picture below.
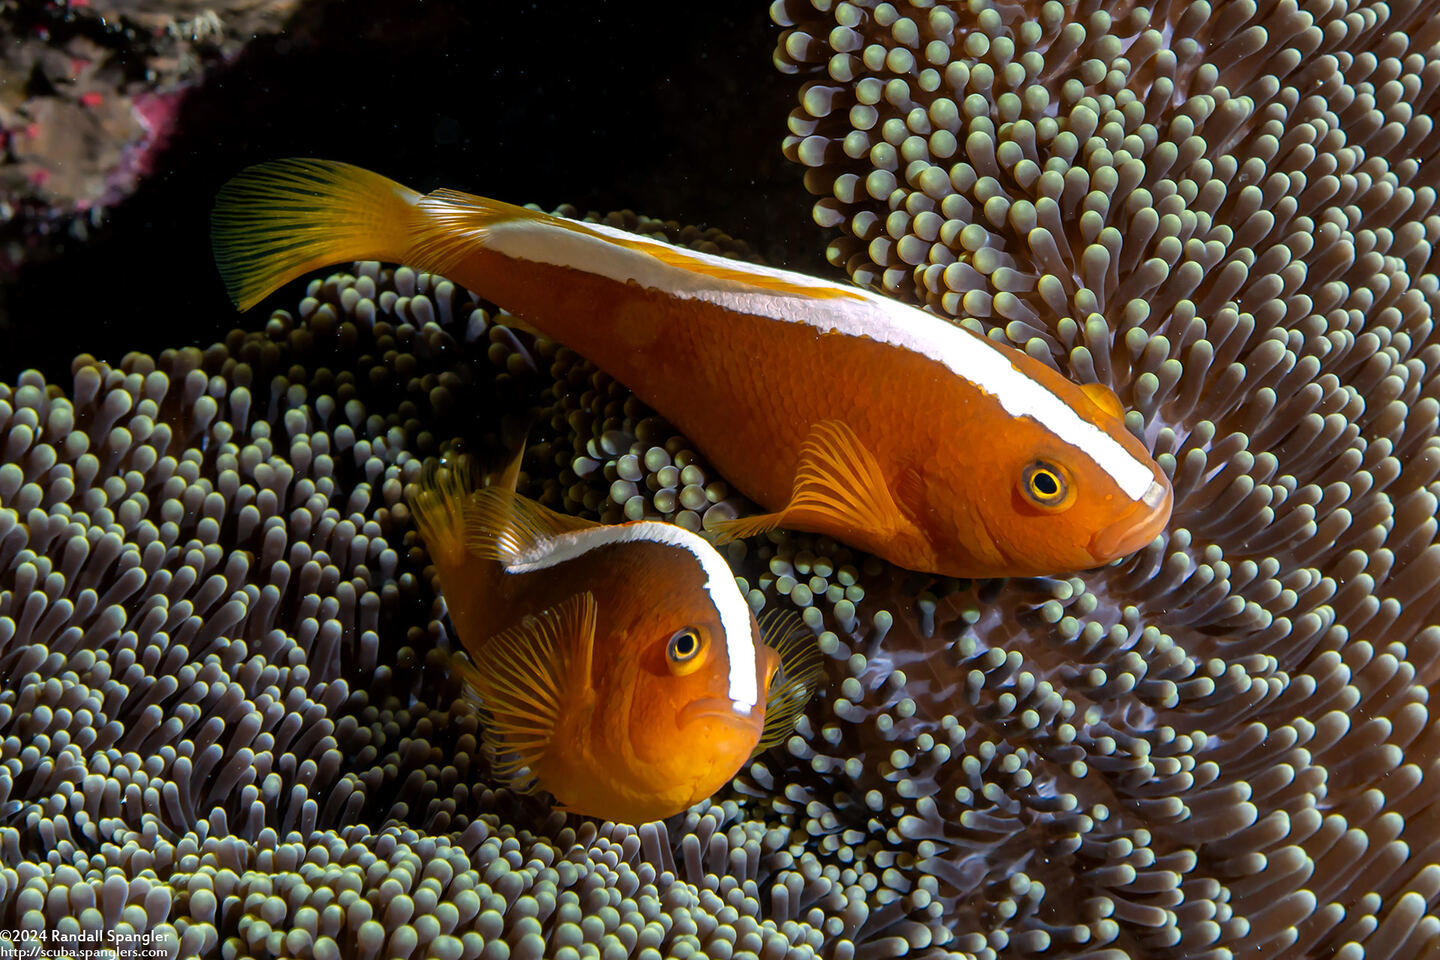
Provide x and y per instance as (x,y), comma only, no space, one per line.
(684,651)
(1044,485)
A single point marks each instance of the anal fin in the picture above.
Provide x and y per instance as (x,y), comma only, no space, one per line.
(723,531)
(517,322)
(839,487)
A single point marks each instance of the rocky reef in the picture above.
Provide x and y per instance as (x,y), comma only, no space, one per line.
(90,95)
(226,723)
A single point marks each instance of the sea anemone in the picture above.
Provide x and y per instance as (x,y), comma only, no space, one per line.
(227,723)
(1224,214)
(227,726)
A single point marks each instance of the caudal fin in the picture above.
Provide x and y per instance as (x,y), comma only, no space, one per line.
(279,220)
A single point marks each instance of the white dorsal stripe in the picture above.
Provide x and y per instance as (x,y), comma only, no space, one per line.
(856,313)
(719,584)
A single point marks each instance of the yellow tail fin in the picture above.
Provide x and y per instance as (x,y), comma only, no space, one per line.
(276,221)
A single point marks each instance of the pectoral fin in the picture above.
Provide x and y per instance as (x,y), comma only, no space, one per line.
(839,488)
(801,670)
(1104,398)
(525,677)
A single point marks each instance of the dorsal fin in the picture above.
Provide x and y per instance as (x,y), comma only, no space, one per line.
(722,269)
(801,670)
(502,525)
(525,676)
(509,476)
(514,433)
(454,226)
(482,209)
(438,503)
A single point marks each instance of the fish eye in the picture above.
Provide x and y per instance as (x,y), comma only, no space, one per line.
(684,649)
(1044,484)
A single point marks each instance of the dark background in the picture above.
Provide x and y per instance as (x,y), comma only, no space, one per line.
(671,109)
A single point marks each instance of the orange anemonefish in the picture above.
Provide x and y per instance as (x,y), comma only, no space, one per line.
(618,667)
(841,411)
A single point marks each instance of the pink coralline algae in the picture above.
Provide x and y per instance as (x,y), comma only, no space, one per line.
(89,94)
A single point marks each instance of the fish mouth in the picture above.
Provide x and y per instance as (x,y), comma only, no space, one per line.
(738,715)
(1136,527)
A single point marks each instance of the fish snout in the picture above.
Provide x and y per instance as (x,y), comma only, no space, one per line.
(1136,527)
(739,715)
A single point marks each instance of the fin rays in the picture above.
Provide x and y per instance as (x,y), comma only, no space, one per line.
(524,676)
(801,669)
(504,526)
(276,221)
(455,225)
(438,505)
(837,479)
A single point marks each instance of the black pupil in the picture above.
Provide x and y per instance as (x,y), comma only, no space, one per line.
(1045,483)
(685,644)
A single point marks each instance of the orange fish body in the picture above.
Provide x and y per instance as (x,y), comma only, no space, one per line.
(840,411)
(620,668)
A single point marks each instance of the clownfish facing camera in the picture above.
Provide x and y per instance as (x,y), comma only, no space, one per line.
(617,667)
(840,411)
